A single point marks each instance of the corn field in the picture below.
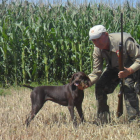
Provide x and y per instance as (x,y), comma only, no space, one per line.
(50,42)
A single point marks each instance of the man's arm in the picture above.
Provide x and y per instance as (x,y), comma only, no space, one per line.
(97,66)
(134,53)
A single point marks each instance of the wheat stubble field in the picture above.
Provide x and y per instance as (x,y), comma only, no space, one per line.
(53,121)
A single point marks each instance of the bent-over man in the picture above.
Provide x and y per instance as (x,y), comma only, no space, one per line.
(106,80)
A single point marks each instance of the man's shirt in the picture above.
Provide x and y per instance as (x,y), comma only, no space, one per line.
(131,55)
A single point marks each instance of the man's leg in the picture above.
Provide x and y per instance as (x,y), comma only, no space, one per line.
(131,99)
(105,85)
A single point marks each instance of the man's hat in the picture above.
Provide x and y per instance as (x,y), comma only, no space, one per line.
(96,31)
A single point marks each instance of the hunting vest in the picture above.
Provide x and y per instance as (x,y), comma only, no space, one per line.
(115,39)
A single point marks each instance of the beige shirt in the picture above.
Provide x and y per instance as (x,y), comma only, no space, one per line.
(131,55)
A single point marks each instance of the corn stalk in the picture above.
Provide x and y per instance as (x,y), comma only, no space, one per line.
(51,41)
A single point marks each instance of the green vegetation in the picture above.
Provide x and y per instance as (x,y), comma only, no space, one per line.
(4,92)
(50,42)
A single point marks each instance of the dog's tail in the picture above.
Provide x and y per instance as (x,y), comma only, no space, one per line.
(28,86)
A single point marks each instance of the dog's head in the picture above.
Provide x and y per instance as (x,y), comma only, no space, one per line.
(80,79)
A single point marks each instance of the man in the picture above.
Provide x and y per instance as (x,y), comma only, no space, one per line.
(106,48)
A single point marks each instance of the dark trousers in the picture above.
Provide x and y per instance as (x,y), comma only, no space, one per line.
(106,85)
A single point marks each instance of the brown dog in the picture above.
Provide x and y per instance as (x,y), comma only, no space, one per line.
(67,95)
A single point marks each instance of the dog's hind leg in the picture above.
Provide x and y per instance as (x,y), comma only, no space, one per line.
(34,111)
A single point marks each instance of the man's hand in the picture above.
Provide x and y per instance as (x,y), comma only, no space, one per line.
(125,72)
(81,87)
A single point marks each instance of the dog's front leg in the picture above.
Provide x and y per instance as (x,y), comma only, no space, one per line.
(80,111)
(71,110)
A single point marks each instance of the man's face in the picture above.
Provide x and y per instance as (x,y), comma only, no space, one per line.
(102,42)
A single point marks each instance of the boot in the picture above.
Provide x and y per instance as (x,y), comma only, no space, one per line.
(131,112)
(103,114)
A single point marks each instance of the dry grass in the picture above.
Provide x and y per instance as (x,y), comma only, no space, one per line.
(53,121)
